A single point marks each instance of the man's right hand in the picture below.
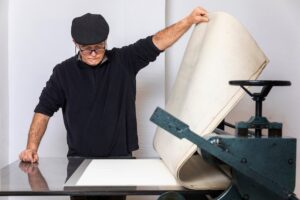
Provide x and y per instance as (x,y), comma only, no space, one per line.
(29,155)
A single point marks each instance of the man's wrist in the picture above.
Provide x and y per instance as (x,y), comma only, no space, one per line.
(188,21)
(30,148)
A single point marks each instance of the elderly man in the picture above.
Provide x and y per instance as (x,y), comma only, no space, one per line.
(96,89)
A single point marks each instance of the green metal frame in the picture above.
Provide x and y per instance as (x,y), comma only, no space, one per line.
(262,167)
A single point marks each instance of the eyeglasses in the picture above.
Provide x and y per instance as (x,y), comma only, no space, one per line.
(89,50)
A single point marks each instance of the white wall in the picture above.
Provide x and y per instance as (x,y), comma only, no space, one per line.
(40,38)
(275,26)
(3,82)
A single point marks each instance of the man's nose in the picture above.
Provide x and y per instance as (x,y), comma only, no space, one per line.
(93,52)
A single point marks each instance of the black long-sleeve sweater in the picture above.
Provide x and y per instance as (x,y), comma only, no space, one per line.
(98,103)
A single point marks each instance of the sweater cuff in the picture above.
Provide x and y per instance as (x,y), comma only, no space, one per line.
(152,45)
(41,109)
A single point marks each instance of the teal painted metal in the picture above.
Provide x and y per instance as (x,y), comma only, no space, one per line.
(259,122)
(271,157)
(263,168)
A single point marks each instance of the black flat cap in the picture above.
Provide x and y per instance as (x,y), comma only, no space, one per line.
(89,29)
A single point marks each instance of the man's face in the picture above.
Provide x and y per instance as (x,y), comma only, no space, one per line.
(92,54)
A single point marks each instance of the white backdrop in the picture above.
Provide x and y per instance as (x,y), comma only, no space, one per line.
(39,38)
(3,83)
(275,26)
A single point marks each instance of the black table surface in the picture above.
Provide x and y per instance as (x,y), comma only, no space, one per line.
(48,176)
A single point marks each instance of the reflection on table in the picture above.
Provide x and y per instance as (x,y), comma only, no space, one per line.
(48,176)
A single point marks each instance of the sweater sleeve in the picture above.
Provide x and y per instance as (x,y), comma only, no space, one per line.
(140,54)
(52,96)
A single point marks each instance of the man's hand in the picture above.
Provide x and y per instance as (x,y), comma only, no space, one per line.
(197,16)
(29,155)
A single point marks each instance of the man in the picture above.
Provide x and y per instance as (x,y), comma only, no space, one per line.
(96,89)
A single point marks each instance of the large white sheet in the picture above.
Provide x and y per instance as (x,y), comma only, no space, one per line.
(127,172)
(218,51)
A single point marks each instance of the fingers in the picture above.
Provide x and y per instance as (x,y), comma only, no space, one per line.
(28,155)
(199,15)
(35,157)
(199,19)
(201,10)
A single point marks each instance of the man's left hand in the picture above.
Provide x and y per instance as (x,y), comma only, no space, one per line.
(197,16)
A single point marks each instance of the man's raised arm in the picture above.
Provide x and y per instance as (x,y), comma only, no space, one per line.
(168,36)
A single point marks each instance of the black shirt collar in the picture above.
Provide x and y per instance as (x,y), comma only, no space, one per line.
(82,64)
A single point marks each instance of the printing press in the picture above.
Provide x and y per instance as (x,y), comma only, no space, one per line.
(262,166)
